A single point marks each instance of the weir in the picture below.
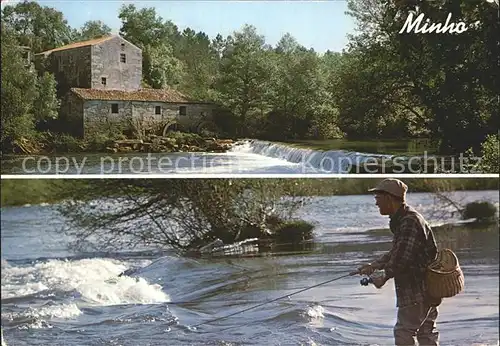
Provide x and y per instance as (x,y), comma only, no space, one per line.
(338,161)
(321,162)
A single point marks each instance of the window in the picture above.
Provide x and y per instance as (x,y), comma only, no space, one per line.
(182,110)
(158,110)
(123,46)
(203,114)
(114,108)
(123,58)
(103,80)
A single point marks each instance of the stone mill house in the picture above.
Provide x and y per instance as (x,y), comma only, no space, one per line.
(99,84)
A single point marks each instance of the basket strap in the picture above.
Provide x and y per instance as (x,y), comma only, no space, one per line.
(431,248)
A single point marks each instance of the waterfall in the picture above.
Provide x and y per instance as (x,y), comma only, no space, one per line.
(331,161)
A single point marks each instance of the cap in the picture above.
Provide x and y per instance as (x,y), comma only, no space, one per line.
(392,186)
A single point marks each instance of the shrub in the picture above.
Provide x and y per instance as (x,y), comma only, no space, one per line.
(293,231)
(481,211)
(67,144)
(489,149)
(182,214)
(185,137)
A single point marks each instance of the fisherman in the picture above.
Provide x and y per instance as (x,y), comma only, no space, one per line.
(413,249)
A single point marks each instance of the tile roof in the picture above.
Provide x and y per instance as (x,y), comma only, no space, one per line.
(79,44)
(156,95)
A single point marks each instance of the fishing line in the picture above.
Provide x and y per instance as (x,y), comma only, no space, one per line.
(272,300)
(188,302)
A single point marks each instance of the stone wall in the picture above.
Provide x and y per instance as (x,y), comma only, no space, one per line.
(140,116)
(145,119)
(98,118)
(195,113)
(106,63)
(71,68)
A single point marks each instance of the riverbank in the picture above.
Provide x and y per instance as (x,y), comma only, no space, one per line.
(33,191)
(49,143)
(339,156)
(175,142)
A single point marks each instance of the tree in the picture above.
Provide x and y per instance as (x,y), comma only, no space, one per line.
(46,104)
(19,90)
(374,97)
(451,75)
(94,29)
(156,39)
(244,75)
(299,97)
(161,68)
(200,59)
(37,27)
(182,214)
(144,27)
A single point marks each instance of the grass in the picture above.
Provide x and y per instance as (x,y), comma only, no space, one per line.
(346,186)
(33,191)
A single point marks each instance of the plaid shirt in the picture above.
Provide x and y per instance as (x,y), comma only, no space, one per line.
(413,249)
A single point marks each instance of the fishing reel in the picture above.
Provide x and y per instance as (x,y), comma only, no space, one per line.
(369,279)
(366,281)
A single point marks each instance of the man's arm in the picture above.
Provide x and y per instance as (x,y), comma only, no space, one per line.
(369,268)
(406,247)
(380,262)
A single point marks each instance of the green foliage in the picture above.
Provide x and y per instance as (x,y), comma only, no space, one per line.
(144,27)
(481,211)
(243,77)
(345,186)
(93,29)
(18,93)
(148,31)
(31,191)
(294,231)
(62,143)
(99,140)
(226,122)
(185,137)
(160,67)
(199,57)
(39,27)
(46,105)
(385,84)
(444,81)
(490,158)
(295,187)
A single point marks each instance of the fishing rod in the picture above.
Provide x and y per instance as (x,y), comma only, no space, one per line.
(276,299)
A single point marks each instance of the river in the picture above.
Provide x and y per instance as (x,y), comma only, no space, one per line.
(248,157)
(52,295)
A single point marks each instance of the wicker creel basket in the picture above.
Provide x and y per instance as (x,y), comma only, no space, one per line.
(444,276)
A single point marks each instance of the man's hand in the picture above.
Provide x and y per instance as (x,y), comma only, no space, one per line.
(379,281)
(367,269)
